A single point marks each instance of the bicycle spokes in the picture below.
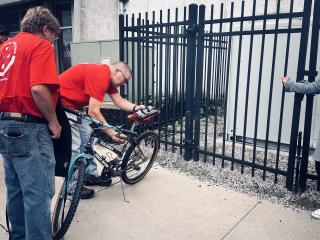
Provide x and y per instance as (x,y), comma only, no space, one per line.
(140,156)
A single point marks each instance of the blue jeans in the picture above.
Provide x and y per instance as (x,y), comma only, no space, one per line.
(29,163)
(80,138)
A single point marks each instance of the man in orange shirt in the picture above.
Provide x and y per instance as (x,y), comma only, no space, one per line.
(28,122)
(86,85)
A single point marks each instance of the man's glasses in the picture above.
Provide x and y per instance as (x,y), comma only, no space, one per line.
(124,77)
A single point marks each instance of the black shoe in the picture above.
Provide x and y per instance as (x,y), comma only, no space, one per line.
(97,181)
(86,193)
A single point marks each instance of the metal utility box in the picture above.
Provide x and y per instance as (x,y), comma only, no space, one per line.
(95,52)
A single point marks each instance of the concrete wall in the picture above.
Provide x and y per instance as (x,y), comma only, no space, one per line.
(136,6)
(98,20)
(95,20)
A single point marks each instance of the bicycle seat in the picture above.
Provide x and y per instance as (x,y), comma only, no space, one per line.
(144,116)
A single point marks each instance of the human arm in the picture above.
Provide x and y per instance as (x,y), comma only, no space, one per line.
(44,84)
(94,112)
(43,99)
(124,104)
(301,87)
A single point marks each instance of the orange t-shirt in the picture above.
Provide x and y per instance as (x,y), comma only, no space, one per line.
(26,60)
(83,81)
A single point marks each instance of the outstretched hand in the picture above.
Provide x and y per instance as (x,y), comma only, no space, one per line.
(285,79)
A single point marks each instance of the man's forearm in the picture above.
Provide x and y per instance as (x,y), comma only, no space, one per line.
(43,99)
(96,114)
(303,87)
(124,104)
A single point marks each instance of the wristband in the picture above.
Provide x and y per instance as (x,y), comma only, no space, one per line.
(134,108)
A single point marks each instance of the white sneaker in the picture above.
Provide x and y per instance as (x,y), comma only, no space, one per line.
(316,214)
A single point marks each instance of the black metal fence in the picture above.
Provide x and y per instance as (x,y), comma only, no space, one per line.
(217,83)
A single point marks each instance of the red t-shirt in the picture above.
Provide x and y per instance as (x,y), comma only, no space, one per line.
(26,60)
(83,81)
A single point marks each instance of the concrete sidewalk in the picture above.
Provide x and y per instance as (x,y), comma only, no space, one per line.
(169,205)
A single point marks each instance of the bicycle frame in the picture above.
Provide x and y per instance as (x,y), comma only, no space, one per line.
(73,162)
(90,152)
(117,164)
(121,162)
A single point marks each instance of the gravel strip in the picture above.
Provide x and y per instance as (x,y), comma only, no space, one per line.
(215,175)
(211,139)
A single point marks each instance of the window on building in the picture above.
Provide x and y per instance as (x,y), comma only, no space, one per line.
(12,14)
(64,12)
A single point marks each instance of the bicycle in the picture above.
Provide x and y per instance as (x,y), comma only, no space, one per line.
(131,163)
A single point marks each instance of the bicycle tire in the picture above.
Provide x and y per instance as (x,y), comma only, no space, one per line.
(153,148)
(59,229)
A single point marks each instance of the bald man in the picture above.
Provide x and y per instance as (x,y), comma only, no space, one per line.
(86,85)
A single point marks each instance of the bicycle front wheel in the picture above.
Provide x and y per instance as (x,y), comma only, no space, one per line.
(139,157)
(68,200)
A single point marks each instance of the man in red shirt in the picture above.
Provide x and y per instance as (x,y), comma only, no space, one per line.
(86,85)
(28,122)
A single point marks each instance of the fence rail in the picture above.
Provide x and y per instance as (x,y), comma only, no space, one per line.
(217,83)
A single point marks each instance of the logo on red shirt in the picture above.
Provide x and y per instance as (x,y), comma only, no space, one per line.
(8,56)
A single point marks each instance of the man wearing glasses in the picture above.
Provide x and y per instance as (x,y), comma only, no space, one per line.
(85,85)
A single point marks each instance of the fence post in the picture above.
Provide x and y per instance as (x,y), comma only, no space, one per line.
(199,80)
(309,104)
(121,46)
(298,97)
(190,76)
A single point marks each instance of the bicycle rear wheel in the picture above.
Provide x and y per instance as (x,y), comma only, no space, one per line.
(67,201)
(139,157)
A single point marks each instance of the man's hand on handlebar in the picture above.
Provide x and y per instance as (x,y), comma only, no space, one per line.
(138,107)
(114,135)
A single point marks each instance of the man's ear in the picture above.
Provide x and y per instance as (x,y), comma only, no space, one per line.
(45,30)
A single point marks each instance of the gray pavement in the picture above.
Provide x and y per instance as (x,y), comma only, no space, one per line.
(170,205)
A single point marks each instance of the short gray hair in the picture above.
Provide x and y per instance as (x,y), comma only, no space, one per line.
(124,67)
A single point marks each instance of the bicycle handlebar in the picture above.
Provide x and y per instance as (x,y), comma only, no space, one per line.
(80,114)
(129,132)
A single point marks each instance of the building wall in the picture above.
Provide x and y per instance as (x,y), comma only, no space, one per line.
(136,6)
(98,20)
(95,20)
